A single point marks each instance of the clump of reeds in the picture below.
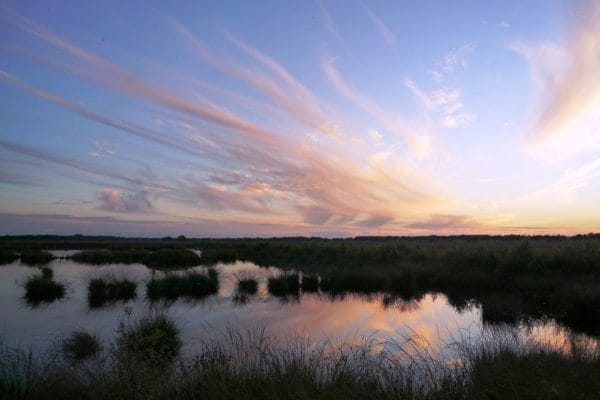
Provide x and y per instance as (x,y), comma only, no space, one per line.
(81,345)
(109,290)
(191,285)
(42,289)
(246,284)
(284,284)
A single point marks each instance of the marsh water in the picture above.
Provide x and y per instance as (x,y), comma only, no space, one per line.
(316,316)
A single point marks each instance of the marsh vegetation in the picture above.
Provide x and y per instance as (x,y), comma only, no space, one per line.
(191,285)
(108,290)
(511,281)
(81,345)
(161,258)
(36,257)
(145,363)
(43,289)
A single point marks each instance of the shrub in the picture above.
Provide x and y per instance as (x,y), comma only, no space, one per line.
(152,340)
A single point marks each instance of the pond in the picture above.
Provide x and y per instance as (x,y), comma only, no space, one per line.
(317,316)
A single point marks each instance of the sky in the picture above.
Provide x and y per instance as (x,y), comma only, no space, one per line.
(313,118)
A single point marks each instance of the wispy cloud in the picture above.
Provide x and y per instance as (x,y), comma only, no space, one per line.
(327,20)
(101,149)
(566,76)
(116,201)
(386,32)
(243,168)
(445,102)
(439,222)
(453,61)
(417,142)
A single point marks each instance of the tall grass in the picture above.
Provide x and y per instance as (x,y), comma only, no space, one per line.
(252,365)
(81,345)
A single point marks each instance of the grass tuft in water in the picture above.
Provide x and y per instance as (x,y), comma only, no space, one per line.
(284,284)
(108,290)
(247,285)
(191,285)
(40,289)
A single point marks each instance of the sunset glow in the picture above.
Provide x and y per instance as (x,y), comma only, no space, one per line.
(316,118)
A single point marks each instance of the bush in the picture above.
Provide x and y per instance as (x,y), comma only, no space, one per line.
(152,340)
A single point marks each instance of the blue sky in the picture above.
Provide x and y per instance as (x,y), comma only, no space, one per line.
(332,118)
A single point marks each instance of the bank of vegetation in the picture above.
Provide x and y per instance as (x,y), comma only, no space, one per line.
(145,362)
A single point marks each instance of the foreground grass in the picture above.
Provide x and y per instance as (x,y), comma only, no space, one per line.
(81,345)
(538,375)
(144,364)
(151,341)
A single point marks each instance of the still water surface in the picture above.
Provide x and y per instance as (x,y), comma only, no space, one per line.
(314,316)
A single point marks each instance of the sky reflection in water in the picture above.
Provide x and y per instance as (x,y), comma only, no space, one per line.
(351,318)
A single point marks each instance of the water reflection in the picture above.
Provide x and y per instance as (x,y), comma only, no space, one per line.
(312,314)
